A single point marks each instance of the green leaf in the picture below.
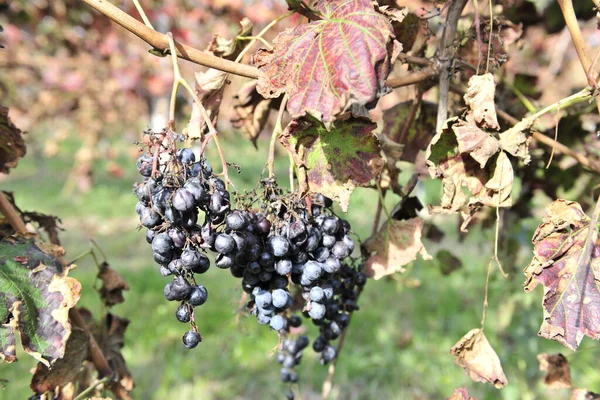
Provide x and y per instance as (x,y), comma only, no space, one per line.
(336,161)
(35,298)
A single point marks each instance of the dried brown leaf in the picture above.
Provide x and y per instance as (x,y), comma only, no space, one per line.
(65,369)
(12,145)
(395,245)
(480,145)
(461,394)
(474,353)
(480,99)
(113,285)
(584,394)
(558,374)
(252,110)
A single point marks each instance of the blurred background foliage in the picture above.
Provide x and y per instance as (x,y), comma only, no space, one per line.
(84,89)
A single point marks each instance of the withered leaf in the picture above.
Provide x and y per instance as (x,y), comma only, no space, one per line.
(395,245)
(480,145)
(584,394)
(558,371)
(474,353)
(336,161)
(461,394)
(65,369)
(231,48)
(568,267)
(480,99)
(516,141)
(252,110)
(35,297)
(113,285)
(329,64)
(12,145)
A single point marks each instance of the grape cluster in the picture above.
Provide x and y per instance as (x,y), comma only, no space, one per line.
(292,254)
(175,189)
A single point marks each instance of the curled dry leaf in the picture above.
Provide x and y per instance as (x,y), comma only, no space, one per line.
(480,145)
(461,394)
(395,245)
(252,110)
(568,266)
(490,186)
(516,139)
(474,353)
(65,369)
(584,394)
(12,145)
(480,99)
(336,161)
(35,297)
(113,285)
(327,65)
(211,84)
(558,371)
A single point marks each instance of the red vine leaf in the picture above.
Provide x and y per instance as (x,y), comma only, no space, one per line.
(113,284)
(480,99)
(12,145)
(395,245)
(566,261)
(558,374)
(461,394)
(328,65)
(35,297)
(584,394)
(335,161)
(65,369)
(474,353)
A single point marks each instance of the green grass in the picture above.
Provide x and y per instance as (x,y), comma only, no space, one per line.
(398,344)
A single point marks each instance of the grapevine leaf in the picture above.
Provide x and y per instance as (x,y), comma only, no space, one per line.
(474,353)
(35,296)
(327,65)
(489,186)
(395,245)
(480,145)
(65,369)
(461,394)
(516,141)
(12,146)
(566,261)
(558,372)
(480,99)
(211,84)
(584,394)
(113,285)
(335,161)
(251,111)
(420,132)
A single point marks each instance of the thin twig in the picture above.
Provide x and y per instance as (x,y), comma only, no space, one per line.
(261,34)
(140,10)
(557,120)
(445,59)
(90,389)
(277,130)
(411,79)
(160,41)
(11,215)
(328,384)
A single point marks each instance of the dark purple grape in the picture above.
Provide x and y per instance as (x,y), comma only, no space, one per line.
(253,252)
(224,243)
(175,266)
(162,243)
(312,270)
(317,310)
(218,204)
(183,313)
(240,241)
(281,299)
(347,240)
(265,276)
(172,215)
(190,218)
(263,319)
(279,282)
(180,288)
(332,265)
(317,294)
(264,226)
(328,241)
(150,235)
(191,339)
(301,343)
(241,259)
(161,199)
(277,322)
(329,353)
(294,321)
(343,320)
(340,250)
(194,187)
(262,299)
(183,200)
(321,254)
(331,225)
(186,156)
(150,218)
(266,259)
(164,271)
(283,267)
(195,261)
(254,267)
(279,246)
(144,165)
(285,375)
(235,221)
(198,296)
(177,236)
(224,261)
(162,258)
(360,279)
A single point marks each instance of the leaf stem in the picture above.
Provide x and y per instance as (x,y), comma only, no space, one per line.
(89,389)
(260,35)
(277,130)
(147,22)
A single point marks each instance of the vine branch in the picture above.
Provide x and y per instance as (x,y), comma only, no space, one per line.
(160,41)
